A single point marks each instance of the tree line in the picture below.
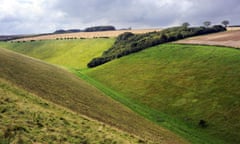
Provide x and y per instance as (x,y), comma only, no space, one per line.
(128,42)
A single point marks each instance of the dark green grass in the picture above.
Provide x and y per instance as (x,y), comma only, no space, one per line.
(181,85)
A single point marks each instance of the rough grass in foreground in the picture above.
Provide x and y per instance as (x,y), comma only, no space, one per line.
(181,86)
(26,118)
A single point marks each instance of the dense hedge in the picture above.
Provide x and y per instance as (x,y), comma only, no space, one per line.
(128,43)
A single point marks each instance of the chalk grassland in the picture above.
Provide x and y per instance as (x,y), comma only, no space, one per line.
(229,38)
(180,85)
(26,118)
(173,79)
(87,34)
(63,88)
(69,53)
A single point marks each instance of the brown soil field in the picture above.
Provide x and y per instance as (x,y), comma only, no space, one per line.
(86,34)
(229,38)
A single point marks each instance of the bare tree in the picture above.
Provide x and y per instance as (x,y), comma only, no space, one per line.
(207,23)
(225,23)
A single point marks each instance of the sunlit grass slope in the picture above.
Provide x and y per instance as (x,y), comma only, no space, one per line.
(69,53)
(197,87)
(63,88)
(26,119)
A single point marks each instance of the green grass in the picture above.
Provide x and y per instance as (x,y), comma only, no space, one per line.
(172,85)
(26,118)
(181,85)
(63,88)
(68,53)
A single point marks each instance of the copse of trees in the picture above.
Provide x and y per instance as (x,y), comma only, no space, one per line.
(100,28)
(89,29)
(186,24)
(67,31)
(207,23)
(128,43)
(225,23)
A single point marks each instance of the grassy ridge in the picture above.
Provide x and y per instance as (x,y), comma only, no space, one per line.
(26,118)
(65,89)
(188,83)
(70,53)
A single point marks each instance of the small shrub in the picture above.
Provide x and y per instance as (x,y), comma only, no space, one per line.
(202,123)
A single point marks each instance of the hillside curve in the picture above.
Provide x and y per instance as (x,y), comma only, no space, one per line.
(63,88)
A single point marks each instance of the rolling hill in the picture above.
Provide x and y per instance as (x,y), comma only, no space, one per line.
(188,87)
(65,89)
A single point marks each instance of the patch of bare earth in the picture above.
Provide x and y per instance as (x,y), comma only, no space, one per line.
(228,38)
(86,34)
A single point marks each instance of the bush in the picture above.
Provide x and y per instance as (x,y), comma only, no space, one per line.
(202,123)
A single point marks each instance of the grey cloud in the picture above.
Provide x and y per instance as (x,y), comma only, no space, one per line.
(124,13)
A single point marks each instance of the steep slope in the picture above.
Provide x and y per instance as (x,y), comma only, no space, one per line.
(26,118)
(194,89)
(63,88)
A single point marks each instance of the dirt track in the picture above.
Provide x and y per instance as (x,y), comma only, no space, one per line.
(228,38)
(87,34)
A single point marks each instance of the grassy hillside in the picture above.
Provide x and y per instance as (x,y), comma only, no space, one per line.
(26,118)
(70,53)
(193,90)
(63,88)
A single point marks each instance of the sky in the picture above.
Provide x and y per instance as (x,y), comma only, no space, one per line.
(43,16)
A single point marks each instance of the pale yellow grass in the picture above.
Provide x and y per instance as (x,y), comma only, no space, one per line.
(233,28)
(87,34)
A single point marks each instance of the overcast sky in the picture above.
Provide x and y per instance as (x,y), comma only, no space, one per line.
(40,16)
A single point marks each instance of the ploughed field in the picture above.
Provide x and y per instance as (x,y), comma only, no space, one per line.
(228,38)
